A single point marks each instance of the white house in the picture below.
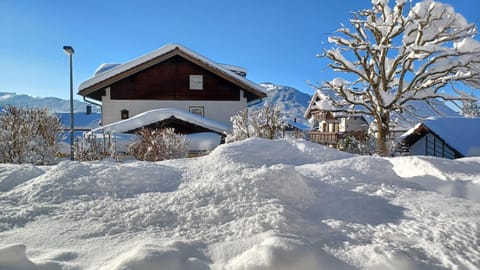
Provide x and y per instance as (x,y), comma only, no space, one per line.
(330,123)
(171,77)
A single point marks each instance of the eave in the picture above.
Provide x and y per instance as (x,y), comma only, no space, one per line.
(99,82)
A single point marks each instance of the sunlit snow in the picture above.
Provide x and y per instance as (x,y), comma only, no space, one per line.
(255,204)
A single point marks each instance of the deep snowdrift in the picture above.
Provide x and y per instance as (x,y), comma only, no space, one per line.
(256,204)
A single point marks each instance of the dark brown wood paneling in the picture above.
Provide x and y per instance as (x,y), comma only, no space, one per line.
(170,80)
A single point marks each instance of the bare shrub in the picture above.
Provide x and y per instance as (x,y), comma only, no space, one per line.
(28,136)
(93,147)
(264,123)
(158,144)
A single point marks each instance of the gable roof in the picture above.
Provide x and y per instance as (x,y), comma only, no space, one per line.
(415,110)
(460,133)
(323,100)
(117,72)
(299,125)
(153,116)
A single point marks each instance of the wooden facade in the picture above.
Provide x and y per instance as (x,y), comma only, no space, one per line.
(171,77)
(328,138)
(180,126)
(179,62)
(170,80)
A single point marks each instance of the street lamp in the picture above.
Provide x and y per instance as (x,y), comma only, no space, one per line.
(69,50)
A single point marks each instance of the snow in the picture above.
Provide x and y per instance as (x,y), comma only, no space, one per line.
(291,102)
(114,70)
(468,45)
(203,141)
(104,67)
(157,115)
(53,104)
(461,133)
(81,120)
(254,204)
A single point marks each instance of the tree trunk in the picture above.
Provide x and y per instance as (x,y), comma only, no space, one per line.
(382,134)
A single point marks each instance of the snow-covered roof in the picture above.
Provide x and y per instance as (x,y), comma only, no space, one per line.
(81,120)
(323,100)
(154,116)
(299,125)
(238,70)
(460,133)
(115,73)
(104,67)
(414,111)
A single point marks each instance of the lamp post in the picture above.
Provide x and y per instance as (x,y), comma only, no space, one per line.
(69,50)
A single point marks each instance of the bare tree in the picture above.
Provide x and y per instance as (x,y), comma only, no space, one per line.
(96,147)
(264,123)
(393,55)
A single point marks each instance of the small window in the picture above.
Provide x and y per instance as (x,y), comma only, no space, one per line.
(196,82)
(124,114)
(200,110)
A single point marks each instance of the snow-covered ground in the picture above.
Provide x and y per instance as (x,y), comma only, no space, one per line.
(256,204)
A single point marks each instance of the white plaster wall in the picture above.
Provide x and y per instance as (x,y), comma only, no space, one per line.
(351,124)
(219,111)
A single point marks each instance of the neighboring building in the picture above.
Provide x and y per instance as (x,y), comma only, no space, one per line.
(171,77)
(297,130)
(448,137)
(330,123)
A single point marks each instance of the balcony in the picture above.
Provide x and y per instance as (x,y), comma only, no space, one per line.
(324,137)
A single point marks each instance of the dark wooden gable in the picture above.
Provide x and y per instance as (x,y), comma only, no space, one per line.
(180,126)
(170,80)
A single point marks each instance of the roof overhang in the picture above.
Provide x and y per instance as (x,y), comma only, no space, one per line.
(107,78)
(418,132)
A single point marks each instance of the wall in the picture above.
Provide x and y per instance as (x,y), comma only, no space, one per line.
(170,80)
(430,145)
(219,111)
(352,124)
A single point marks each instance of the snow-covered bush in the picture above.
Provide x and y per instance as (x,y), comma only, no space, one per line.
(264,123)
(240,127)
(351,144)
(28,136)
(158,144)
(93,147)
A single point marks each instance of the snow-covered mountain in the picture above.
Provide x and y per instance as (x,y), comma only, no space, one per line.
(291,102)
(53,104)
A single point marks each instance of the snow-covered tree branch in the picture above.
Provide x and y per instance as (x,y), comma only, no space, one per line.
(396,55)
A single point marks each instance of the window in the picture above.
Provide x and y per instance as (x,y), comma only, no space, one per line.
(200,110)
(124,114)
(196,82)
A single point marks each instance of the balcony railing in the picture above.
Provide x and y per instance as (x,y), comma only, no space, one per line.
(324,137)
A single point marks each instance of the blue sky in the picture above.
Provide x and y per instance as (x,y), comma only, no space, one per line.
(275,40)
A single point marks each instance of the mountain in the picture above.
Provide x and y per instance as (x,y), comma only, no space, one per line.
(53,104)
(291,102)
